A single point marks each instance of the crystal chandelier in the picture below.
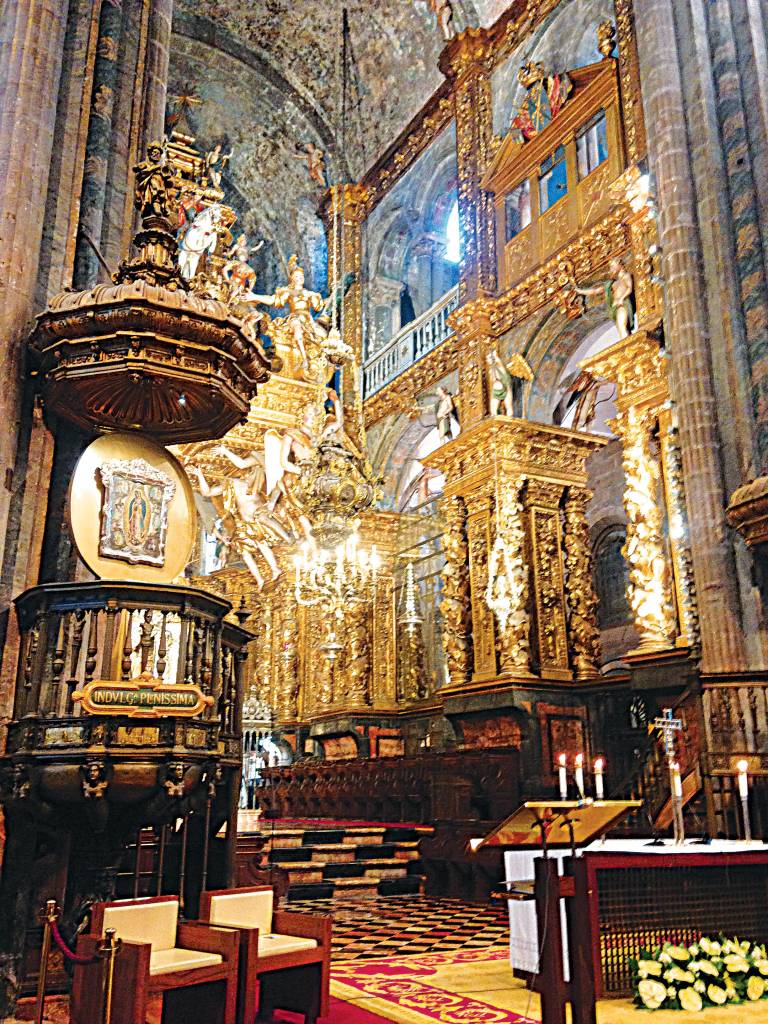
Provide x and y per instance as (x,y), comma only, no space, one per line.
(335,581)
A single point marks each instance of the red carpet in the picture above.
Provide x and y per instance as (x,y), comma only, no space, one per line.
(341,1013)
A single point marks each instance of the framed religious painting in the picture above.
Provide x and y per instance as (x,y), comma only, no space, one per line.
(134,511)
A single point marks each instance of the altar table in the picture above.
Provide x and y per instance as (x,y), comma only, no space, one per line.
(634,901)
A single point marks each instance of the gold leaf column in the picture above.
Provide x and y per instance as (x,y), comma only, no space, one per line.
(455,604)
(650,590)
(286,654)
(509,575)
(583,634)
(467,62)
(542,505)
(479,507)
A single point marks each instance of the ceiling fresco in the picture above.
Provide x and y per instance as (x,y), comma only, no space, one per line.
(268,75)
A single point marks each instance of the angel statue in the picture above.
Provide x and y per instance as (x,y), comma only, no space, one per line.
(237,272)
(315,159)
(619,293)
(443,10)
(215,165)
(155,191)
(503,381)
(283,455)
(254,528)
(301,303)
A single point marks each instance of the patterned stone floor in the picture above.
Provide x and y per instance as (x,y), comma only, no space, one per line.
(402,925)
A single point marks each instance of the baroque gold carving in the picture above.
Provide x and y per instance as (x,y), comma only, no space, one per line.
(583,634)
(677,514)
(483,632)
(455,603)
(634,125)
(507,591)
(650,592)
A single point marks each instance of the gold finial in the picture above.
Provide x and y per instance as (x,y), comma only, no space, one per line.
(606,38)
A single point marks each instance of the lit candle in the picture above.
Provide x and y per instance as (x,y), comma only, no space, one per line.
(598,769)
(677,782)
(579,775)
(743,781)
(563,777)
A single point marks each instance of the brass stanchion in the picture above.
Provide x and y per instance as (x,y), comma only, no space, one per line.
(49,915)
(108,951)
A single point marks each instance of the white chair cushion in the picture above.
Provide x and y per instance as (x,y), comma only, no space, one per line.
(164,961)
(271,945)
(144,922)
(243,910)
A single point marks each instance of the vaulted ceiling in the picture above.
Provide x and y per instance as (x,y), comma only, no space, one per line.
(268,74)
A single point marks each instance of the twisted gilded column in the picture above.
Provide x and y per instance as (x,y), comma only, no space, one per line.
(508,580)
(688,337)
(455,603)
(650,587)
(583,634)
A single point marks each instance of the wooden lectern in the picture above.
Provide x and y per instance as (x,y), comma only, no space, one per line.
(545,826)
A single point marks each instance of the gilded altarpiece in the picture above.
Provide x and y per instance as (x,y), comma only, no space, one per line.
(526,483)
(661,589)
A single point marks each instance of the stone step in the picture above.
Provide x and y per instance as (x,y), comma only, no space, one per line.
(357,887)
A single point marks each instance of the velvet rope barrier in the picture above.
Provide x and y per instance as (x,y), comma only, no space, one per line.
(74,958)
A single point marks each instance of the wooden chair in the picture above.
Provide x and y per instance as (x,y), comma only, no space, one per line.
(192,965)
(284,957)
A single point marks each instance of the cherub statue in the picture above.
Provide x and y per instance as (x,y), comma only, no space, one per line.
(215,165)
(237,272)
(244,498)
(619,293)
(315,159)
(443,10)
(155,192)
(446,413)
(334,416)
(283,454)
(301,303)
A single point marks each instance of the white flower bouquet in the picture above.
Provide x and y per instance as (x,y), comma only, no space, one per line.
(711,972)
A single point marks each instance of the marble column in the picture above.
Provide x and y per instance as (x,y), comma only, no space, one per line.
(31,49)
(156,71)
(688,337)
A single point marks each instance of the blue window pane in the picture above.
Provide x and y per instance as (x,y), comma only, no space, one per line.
(553,179)
(517,209)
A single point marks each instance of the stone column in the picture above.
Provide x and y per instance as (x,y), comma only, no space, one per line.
(98,145)
(468,62)
(688,336)
(31,48)
(156,71)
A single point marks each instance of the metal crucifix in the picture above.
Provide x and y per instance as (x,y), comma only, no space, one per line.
(668,725)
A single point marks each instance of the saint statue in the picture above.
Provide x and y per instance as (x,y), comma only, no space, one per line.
(315,159)
(445,413)
(301,303)
(619,293)
(443,10)
(155,191)
(254,528)
(237,272)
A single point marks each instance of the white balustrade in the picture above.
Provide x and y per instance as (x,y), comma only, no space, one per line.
(410,344)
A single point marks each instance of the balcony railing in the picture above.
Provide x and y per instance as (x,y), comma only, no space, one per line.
(410,344)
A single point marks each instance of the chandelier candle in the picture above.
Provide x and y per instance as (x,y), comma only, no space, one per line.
(562,773)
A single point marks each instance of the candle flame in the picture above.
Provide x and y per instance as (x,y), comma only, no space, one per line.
(742,766)
(561,760)
(599,764)
(579,760)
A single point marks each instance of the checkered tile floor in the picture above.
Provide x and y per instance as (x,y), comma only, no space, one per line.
(399,925)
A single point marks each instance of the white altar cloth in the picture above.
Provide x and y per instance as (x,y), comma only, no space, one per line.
(519,867)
